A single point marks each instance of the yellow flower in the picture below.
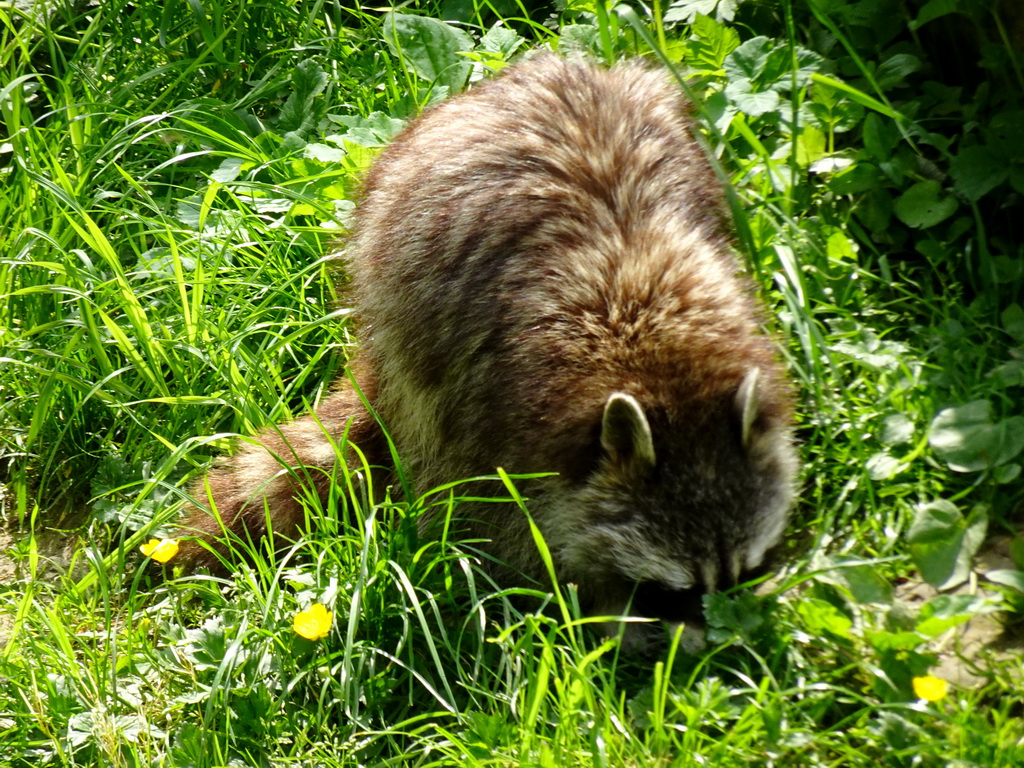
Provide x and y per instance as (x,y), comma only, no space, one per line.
(314,623)
(930,688)
(160,550)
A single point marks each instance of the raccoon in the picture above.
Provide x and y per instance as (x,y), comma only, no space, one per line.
(544,282)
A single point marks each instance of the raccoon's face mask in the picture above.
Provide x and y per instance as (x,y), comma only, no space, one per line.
(661,531)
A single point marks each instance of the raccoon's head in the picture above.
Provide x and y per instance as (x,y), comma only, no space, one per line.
(678,510)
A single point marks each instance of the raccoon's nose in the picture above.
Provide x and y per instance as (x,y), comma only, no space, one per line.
(657,601)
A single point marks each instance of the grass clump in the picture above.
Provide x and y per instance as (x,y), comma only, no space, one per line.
(172,180)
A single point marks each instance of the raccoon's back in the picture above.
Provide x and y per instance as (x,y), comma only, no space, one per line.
(528,248)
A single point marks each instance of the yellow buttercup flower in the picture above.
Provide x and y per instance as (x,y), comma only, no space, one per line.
(930,688)
(314,623)
(160,550)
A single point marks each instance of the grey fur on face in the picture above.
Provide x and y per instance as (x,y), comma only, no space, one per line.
(544,282)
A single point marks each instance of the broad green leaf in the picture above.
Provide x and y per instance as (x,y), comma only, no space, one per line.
(1006,474)
(748,60)
(1007,578)
(896,429)
(456,10)
(863,345)
(711,43)
(299,112)
(229,170)
(785,68)
(856,95)
(324,153)
(727,615)
(977,171)
(1017,179)
(895,69)
(932,10)
(821,617)
(741,93)
(944,612)
(1009,374)
(924,205)
(430,47)
(875,210)
(1005,134)
(968,441)
(894,641)
(883,466)
(578,38)
(840,117)
(1017,552)
(1013,321)
(688,10)
(373,131)
(501,40)
(810,145)
(943,542)
(826,96)
(856,179)
(860,579)
(1006,269)
(880,136)
(839,247)
(934,521)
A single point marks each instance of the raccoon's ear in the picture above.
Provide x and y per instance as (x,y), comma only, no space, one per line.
(625,433)
(748,403)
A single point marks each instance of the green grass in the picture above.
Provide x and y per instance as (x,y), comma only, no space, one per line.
(173,178)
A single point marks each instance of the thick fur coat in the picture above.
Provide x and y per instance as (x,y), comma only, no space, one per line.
(544,282)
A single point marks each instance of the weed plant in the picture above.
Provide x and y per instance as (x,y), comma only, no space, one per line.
(174,178)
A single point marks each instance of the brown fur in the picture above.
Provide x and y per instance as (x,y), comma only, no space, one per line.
(276,472)
(524,252)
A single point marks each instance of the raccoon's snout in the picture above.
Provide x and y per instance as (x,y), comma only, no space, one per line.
(656,601)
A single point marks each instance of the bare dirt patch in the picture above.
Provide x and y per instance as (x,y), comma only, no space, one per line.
(8,570)
(967,653)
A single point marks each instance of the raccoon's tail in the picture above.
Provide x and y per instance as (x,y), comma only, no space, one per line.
(267,480)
